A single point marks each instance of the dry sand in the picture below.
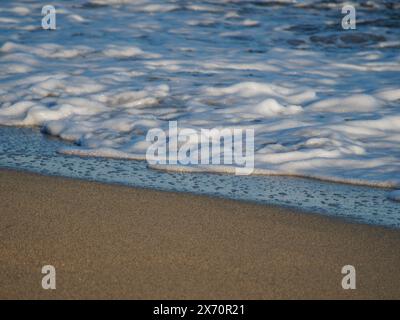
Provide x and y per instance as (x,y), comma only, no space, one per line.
(109,241)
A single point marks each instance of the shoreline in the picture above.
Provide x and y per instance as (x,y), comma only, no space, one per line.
(115,241)
(290,208)
(362,204)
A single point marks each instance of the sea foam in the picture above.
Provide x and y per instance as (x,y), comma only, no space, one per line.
(324,102)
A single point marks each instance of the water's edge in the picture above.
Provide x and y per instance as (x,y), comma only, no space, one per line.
(26,149)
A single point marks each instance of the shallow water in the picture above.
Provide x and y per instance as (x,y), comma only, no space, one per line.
(28,149)
(323,101)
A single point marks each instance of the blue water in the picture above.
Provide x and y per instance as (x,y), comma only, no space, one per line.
(86,82)
(29,149)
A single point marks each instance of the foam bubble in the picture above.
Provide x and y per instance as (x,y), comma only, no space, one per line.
(322,104)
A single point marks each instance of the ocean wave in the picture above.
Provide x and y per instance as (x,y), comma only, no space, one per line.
(324,102)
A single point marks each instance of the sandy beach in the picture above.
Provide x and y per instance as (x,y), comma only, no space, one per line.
(108,241)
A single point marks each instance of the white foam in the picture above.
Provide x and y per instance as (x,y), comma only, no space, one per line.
(127,52)
(317,111)
(354,103)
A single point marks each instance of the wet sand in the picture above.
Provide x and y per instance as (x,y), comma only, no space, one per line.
(108,241)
